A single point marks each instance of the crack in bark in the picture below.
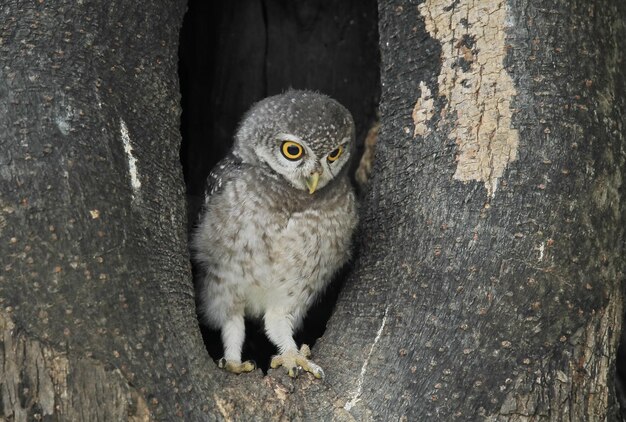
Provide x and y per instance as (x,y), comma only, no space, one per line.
(356,395)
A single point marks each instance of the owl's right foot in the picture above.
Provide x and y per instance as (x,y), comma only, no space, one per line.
(294,361)
(236,367)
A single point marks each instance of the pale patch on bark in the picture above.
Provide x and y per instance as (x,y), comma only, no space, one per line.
(477,87)
(281,393)
(225,407)
(423,111)
(64,118)
(135,183)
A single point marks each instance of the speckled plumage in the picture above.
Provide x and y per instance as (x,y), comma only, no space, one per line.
(266,245)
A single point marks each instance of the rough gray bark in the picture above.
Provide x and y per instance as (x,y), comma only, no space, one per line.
(95,276)
(499,254)
(482,289)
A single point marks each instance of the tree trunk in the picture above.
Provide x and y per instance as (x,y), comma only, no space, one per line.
(95,293)
(494,247)
(487,283)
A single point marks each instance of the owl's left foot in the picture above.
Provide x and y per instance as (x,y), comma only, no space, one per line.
(237,367)
(294,361)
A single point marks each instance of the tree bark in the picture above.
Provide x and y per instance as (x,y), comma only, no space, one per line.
(487,283)
(95,283)
(496,239)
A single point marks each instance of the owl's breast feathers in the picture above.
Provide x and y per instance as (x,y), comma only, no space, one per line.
(270,242)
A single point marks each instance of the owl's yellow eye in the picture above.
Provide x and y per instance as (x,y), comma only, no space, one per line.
(335,154)
(292,150)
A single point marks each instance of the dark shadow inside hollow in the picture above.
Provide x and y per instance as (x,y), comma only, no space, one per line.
(233,54)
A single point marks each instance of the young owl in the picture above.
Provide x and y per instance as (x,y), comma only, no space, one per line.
(277,223)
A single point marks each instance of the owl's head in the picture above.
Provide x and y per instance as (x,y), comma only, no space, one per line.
(305,137)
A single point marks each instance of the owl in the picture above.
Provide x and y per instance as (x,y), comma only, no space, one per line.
(277,224)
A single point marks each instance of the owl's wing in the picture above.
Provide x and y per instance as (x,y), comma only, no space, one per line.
(229,168)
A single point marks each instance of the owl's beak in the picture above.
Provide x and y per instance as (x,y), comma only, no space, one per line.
(311,182)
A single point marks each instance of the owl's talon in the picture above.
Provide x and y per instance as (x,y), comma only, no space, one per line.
(296,361)
(294,371)
(237,367)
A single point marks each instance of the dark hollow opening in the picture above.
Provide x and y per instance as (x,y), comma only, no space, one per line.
(233,54)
